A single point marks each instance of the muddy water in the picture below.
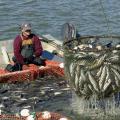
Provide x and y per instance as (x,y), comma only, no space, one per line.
(51,94)
(47,93)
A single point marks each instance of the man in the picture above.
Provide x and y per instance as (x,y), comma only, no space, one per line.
(27,48)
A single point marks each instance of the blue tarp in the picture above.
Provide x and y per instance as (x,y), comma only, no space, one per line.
(50,56)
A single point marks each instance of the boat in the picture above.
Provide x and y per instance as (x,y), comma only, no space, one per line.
(52,50)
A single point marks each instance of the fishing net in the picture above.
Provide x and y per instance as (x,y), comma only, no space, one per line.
(54,116)
(92,64)
(11,117)
(31,72)
(38,116)
(92,67)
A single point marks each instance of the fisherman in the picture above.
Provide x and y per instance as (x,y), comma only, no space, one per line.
(27,48)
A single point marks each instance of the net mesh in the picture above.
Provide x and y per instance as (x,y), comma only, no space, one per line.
(38,116)
(31,73)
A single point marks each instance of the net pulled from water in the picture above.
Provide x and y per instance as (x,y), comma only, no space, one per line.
(92,66)
(92,63)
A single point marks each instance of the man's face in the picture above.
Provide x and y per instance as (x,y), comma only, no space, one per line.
(27,32)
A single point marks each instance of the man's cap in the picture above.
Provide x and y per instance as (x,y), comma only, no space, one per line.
(25,26)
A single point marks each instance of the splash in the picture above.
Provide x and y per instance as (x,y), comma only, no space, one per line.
(92,68)
(103,109)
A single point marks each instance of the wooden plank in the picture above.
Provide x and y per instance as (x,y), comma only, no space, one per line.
(5,55)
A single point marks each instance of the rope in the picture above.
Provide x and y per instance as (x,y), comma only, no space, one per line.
(105,16)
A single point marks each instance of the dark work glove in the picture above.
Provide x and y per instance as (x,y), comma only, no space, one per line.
(39,61)
(13,68)
(17,67)
(29,60)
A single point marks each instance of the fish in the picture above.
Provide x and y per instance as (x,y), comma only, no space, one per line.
(91,70)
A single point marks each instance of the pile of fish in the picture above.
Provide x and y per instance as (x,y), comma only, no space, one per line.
(92,68)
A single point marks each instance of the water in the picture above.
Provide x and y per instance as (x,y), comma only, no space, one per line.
(94,109)
(48,16)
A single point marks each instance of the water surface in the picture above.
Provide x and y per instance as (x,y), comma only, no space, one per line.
(47,16)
